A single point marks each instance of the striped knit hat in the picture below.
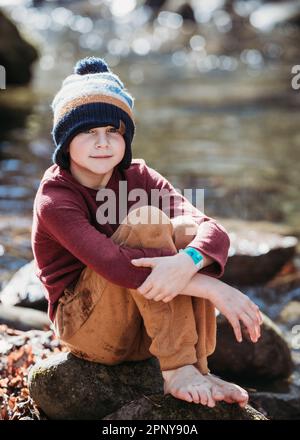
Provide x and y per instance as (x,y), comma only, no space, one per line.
(92,97)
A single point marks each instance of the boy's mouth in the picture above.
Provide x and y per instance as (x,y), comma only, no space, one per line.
(100,157)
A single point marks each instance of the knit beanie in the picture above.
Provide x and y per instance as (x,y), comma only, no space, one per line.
(91,97)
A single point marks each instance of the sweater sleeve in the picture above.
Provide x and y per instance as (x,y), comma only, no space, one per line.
(65,220)
(211,239)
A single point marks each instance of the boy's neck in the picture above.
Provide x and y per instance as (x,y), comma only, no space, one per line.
(89,179)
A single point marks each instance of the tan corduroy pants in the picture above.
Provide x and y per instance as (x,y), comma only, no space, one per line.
(102,322)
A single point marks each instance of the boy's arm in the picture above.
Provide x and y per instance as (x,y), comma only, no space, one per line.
(232,303)
(211,240)
(66,222)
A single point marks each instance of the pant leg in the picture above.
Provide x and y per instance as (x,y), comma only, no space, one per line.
(123,325)
(185,228)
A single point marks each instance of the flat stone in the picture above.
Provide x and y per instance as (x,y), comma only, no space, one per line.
(24,289)
(22,318)
(256,253)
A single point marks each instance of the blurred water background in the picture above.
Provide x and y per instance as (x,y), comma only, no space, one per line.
(214,107)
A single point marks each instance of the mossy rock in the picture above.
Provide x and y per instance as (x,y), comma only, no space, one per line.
(66,387)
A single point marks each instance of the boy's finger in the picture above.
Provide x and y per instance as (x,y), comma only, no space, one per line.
(237,329)
(145,287)
(251,325)
(150,294)
(159,297)
(257,312)
(168,298)
(142,262)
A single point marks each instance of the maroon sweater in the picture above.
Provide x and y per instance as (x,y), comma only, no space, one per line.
(66,236)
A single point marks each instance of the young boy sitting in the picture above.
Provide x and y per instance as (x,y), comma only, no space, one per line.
(126,287)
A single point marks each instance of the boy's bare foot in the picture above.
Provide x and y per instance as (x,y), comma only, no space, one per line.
(232,393)
(187,383)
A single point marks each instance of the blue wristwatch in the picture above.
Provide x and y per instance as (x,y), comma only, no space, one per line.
(196,256)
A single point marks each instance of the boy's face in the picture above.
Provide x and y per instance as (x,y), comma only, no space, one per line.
(97,149)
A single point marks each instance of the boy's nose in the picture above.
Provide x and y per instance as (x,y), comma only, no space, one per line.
(102,140)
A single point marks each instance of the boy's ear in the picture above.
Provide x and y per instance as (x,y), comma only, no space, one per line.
(122,127)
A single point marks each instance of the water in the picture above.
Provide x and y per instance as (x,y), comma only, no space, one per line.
(207,116)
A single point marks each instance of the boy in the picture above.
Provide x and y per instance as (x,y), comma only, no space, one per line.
(129,288)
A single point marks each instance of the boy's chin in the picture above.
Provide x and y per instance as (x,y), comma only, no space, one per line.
(100,169)
(96,168)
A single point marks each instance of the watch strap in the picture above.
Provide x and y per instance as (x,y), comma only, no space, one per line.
(196,256)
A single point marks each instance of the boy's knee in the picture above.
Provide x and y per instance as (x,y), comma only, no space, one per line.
(184,230)
(147,215)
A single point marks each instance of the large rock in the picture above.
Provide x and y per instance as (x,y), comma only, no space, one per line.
(25,289)
(278,404)
(256,255)
(66,387)
(16,54)
(268,359)
(158,407)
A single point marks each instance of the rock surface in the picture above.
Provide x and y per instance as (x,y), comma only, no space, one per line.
(24,289)
(25,319)
(256,253)
(158,407)
(16,54)
(66,387)
(267,359)
(278,405)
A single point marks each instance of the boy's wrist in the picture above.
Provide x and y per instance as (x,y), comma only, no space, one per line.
(206,287)
(194,255)
(184,259)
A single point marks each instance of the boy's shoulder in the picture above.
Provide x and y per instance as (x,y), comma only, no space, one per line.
(53,173)
(140,165)
(56,185)
(137,163)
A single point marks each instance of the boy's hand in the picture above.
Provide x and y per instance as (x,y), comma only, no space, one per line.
(169,276)
(237,307)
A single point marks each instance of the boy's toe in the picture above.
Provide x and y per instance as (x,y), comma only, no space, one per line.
(195,395)
(211,403)
(217,394)
(203,397)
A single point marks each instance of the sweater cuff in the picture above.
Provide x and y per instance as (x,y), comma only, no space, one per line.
(212,241)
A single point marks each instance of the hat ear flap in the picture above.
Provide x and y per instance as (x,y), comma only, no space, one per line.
(127,158)
(62,157)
